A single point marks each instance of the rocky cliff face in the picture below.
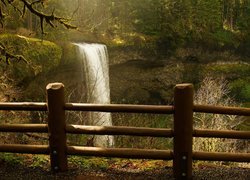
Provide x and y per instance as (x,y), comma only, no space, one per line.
(144,82)
(137,81)
(133,78)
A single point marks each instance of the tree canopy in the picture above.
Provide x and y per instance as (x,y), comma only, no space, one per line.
(210,24)
(33,7)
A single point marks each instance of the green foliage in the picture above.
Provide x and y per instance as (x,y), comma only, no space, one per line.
(237,75)
(39,161)
(245,126)
(240,89)
(148,16)
(230,70)
(79,161)
(211,24)
(89,162)
(41,55)
(225,39)
(140,120)
(11,158)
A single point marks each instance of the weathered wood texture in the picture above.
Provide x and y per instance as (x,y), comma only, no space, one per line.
(119,130)
(183,131)
(215,156)
(23,106)
(222,110)
(41,128)
(57,127)
(152,109)
(120,152)
(207,133)
(27,149)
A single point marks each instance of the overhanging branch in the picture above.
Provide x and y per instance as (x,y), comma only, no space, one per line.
(7,56)
(49,19)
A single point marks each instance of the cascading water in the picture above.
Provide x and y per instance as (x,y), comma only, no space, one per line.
(96,70)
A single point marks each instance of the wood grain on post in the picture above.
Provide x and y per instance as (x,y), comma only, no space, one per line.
(56,125)
(183,130)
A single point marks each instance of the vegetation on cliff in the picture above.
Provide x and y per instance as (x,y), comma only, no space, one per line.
(40,55)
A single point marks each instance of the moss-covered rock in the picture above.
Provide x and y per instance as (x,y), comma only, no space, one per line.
(41,56)
(69,55)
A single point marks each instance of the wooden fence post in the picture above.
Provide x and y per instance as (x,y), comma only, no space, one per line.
(183,130)
(57,127)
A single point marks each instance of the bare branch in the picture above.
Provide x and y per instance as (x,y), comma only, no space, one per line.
(2,16)
(10,2)
(44,18)
(9,56)
(4,3)
(24,11)
(48,18)
(38,2)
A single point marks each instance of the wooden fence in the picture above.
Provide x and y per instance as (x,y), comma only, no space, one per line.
(182,134)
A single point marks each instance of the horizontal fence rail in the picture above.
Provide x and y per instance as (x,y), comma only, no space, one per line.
(222,110)
(182,133)
(119,130)
(26,149)
(24,106)
(41,128)
(206,133)
(120,152)
(216,156)
(153,109)
(96,130)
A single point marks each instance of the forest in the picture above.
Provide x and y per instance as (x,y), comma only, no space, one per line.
(151,45)
(168,24)
(187,31)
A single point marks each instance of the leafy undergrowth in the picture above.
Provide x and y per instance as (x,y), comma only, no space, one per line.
(38,167)
(16,166)
(87,163)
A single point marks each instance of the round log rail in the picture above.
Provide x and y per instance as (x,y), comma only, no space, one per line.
(119,130)
(26,149)
(41,128)
(222,110)
(206,133)
(24,106)
(216,156)
(120,153)
(153,109)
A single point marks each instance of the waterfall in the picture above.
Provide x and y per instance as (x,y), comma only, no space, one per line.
(96,72)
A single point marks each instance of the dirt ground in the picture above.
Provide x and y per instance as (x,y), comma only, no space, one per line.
(8,172)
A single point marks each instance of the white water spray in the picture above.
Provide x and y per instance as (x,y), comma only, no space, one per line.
(96,70)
